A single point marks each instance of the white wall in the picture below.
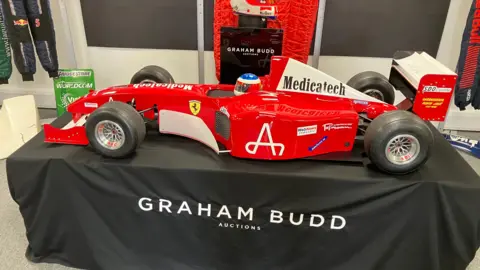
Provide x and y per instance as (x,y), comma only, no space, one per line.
(115,66)
(42,87)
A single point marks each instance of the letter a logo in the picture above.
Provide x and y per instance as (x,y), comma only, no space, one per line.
(270,143)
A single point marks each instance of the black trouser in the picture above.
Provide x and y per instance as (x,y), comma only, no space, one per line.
(469,62)
(25,17)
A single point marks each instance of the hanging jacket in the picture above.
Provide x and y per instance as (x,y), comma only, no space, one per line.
(27,19)
(5,53)
(468,63)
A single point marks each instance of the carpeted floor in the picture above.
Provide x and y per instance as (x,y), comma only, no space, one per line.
(12,231)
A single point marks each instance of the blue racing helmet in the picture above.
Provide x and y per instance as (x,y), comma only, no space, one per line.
(247,81)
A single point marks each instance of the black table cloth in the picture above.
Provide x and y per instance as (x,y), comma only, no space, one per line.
(178,205)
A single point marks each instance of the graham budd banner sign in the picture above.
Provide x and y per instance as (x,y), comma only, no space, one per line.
(242,218)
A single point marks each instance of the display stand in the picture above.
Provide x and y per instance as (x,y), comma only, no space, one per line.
(178,205)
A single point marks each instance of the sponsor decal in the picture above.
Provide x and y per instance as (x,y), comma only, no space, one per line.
(309,130)
(463,140)
(308,86)
(91,105)
(20,22)
(110,99)
(74,73)
(331,126)
(37,22)
(362,102)
(164,85)
(305,112)
(238,217)
(432,103)
(269,143)
(74,85)
(435,89)
(68,99)
(224,111)
(109,93)
(195,106)
(317,144)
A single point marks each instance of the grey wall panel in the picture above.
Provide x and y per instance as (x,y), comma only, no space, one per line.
(156,24)
(372,28)
(378,28)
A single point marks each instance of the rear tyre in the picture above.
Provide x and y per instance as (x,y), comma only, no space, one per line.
(398,142)
(373,84)
(115,129)
(152,74)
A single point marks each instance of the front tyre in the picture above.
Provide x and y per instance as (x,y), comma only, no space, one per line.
(398,142)
(115,130)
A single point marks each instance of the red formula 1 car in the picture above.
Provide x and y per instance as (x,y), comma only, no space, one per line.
(295,112)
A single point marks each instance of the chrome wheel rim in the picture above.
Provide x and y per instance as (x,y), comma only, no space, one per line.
(375,93)
(402,149)
(109,135)
(148,81)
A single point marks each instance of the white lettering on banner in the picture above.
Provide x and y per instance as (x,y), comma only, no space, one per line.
(343,223)
(184,207)
(463,140)
(110,99)
(223,214)
(270,143)
(239,226)
(148,206)
(242,212)
(74,73)
(251,50)
(296,223)
(224,211)
(331,126)
(164,85)
(208,209)
(309,130)
(165,204)
(74,85)
(317,225)
(276,217)
(432,88)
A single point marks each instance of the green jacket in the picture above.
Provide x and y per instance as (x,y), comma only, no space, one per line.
(5,52)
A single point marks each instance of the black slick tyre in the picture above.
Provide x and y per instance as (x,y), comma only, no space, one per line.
(115,130)
(398,142)
(152,74)
(373,84)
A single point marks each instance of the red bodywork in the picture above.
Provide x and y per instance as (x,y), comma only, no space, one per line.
(267,124)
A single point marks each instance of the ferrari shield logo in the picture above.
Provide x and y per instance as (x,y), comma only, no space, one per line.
(195,106)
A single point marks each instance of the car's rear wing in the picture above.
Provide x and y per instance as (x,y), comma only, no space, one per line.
(426,83)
